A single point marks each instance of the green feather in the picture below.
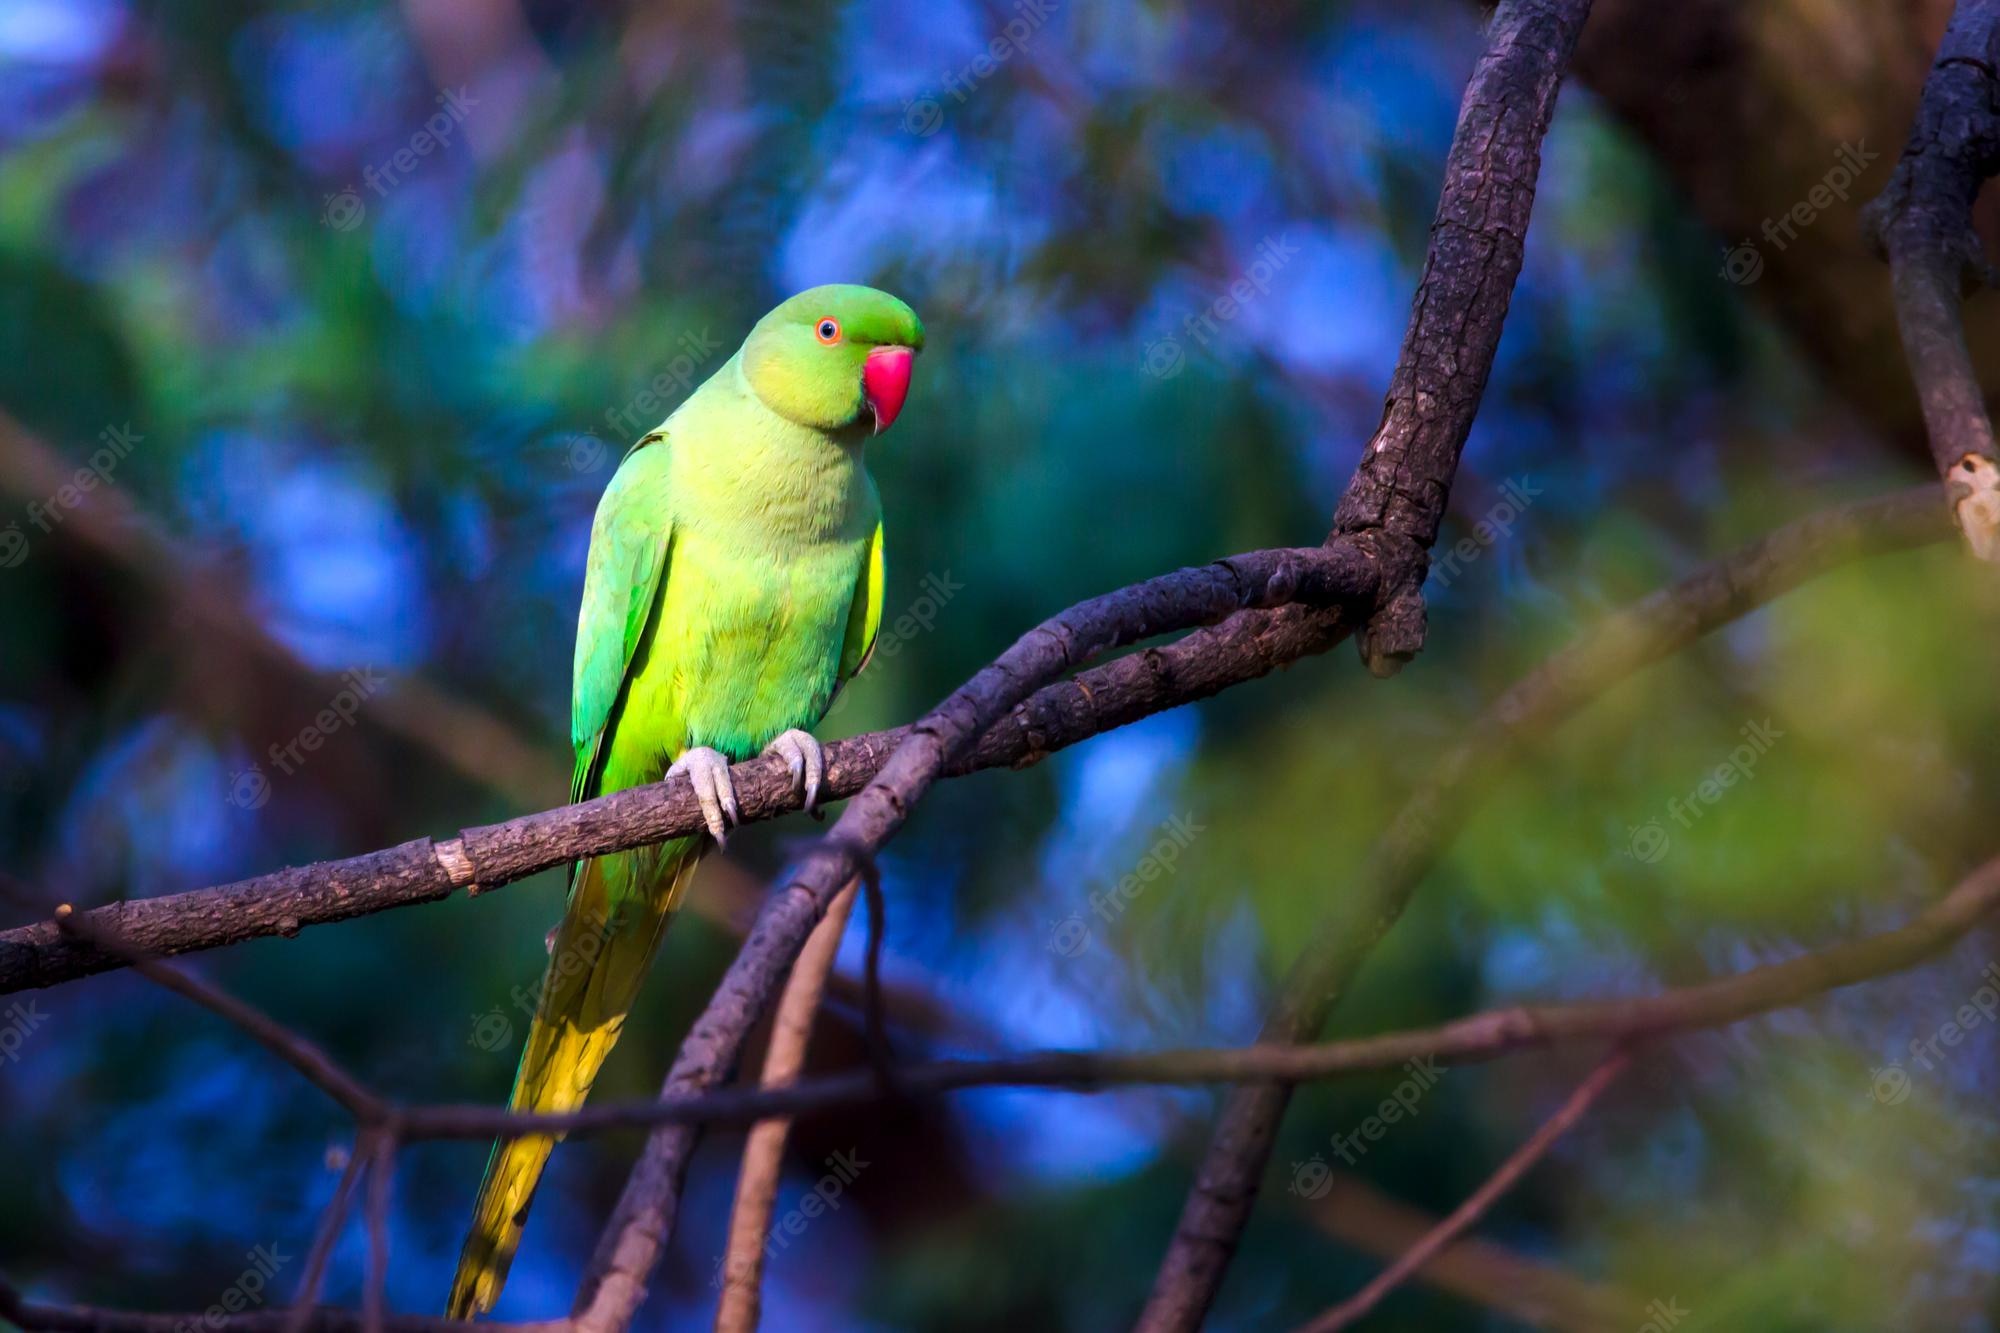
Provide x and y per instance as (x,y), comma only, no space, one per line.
(734,583)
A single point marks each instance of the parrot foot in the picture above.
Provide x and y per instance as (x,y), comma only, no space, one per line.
(806,757)
(708,771)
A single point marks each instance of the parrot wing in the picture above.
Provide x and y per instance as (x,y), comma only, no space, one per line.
(629,544)
(864,614)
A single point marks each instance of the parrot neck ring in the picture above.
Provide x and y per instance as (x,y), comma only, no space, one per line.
(885,383)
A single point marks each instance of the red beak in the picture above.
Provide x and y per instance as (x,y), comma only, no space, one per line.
(885,383)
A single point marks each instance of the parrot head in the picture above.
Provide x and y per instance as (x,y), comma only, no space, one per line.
(835,357)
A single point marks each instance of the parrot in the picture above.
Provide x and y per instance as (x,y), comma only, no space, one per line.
(734,584)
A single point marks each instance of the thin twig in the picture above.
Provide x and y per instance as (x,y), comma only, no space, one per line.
(328,1235)
(764,1147)
(381,1172)
(1467,1214)
(1372,897)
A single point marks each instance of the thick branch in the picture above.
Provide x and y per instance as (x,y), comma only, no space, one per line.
(1923,224)
(1340,574)
(1226,1183)
(1478,239)
(423,871)
(1477,1037)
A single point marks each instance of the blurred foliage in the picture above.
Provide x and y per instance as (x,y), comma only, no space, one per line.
(376,402)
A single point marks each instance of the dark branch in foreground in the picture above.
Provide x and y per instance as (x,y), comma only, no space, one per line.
(1922,223)
(484,858)
(1473,1039)
(1486,1036)
(1388,517)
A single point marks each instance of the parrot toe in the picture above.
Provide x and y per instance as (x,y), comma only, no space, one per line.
(708,772)
(806,757)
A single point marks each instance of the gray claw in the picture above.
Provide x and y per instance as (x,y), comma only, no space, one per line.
(806,759)
(708,771)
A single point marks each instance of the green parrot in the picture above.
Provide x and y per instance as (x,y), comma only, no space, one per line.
(734,584)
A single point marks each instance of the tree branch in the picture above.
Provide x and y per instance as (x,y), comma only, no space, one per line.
(1482,1272)
(1467,1214)
(1398,493)
(1341,574)
(1922,223)
(1476,1038)
(1397,496)
(764,1148)
(1226,1183)
(284,902)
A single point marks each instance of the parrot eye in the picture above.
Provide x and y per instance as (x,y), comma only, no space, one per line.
(829,331)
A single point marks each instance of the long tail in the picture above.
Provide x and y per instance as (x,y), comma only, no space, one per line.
(618,910)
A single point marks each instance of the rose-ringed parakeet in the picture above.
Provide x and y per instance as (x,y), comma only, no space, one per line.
(734,583)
